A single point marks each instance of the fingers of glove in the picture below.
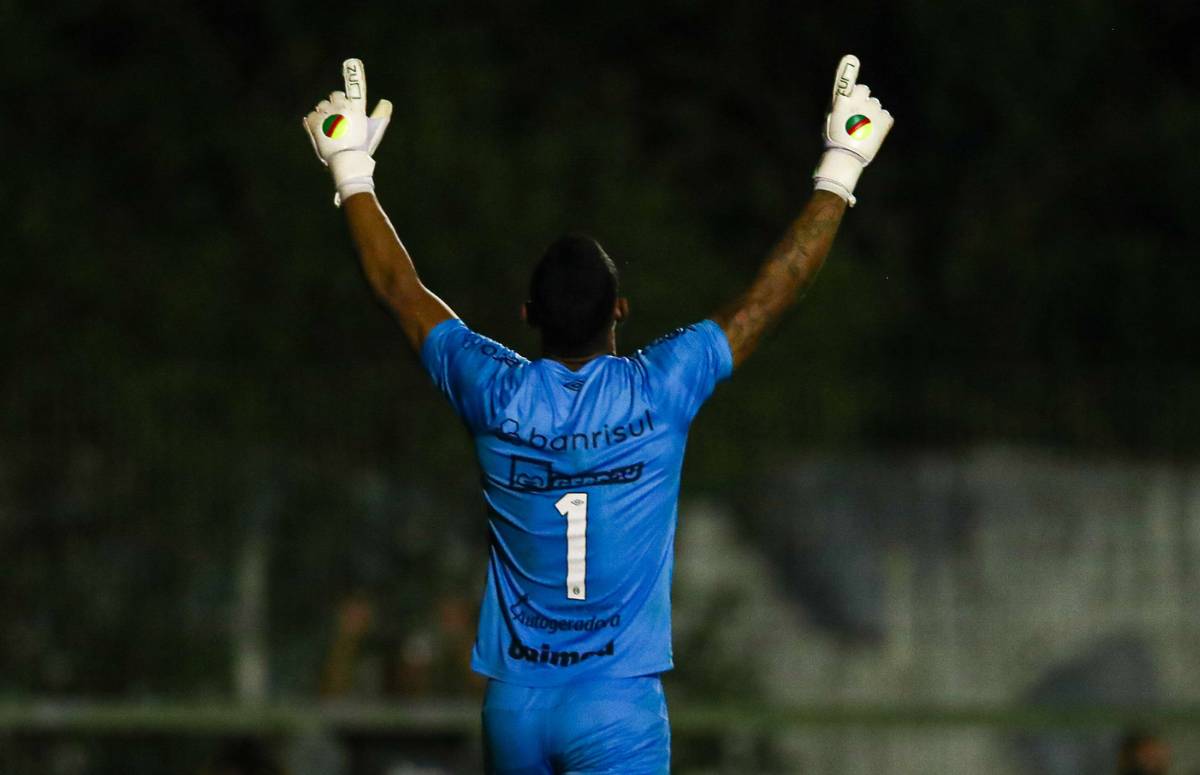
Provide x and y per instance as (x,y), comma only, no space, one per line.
(378,123)
(846,76)
(887,121)
(339,102)
(861,93)
(377,129)
(880,113)
(312,122)
(383,110)
(355,77)
(324,106)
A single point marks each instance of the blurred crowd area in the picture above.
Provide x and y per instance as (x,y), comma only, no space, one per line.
(963,471)
(993,577)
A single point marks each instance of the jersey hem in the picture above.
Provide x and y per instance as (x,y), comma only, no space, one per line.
(524,680)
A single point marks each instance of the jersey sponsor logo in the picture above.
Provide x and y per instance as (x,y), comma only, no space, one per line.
(597,438)
(671,335)
(491,349)
(522,614)
(539,475)
(518,650)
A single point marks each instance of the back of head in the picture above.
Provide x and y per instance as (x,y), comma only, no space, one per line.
(572,295)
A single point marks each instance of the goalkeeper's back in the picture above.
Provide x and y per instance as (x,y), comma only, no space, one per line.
(581,472)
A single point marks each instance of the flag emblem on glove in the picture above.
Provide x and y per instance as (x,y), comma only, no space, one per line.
(857,126)
(335,126)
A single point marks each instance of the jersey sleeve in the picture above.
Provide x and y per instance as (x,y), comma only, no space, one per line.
(684,367)
(467,368)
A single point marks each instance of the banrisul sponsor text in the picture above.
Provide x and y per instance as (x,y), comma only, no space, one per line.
(512,431)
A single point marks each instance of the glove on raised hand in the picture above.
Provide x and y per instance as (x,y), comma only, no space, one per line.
(344,137)
(854,129)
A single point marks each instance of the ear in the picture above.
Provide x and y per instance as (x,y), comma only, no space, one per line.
(621,310)
(527,314)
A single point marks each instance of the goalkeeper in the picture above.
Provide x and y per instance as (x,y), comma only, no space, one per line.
(581,450)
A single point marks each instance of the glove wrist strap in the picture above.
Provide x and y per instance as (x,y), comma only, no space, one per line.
(352,174)
(838,172)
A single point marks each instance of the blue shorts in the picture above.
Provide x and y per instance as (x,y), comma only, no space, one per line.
(614,725)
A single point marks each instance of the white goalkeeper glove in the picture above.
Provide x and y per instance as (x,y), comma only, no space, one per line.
(344,136)
(854,129)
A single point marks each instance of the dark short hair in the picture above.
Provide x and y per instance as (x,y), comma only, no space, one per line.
(572,294)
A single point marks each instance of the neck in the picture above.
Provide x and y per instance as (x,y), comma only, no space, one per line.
(574,362)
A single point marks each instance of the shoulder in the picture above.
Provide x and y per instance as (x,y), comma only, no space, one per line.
(703,340)
(669,337)
(452,338)
(683,366)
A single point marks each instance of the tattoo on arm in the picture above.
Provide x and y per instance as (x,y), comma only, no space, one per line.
(788,270)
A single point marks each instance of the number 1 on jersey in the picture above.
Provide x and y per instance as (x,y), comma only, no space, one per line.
(573,506)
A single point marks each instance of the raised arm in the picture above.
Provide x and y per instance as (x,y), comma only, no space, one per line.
(790,267)
(854,129)
(390,270)
(345,138)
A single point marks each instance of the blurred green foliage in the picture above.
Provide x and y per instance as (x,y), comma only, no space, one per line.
(186,327)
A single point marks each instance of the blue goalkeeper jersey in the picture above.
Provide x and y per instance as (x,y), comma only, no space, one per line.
(581,477)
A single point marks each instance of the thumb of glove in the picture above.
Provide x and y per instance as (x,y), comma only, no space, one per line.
(377,124)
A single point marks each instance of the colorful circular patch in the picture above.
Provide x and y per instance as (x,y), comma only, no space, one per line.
(858,127)
(334,126)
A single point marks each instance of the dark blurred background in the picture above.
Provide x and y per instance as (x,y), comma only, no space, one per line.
(224,478)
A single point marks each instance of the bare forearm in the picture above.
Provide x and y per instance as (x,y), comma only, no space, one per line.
(788,270)
(390,269)
(385,261)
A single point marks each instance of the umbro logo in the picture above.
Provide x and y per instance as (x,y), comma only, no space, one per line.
(574,385)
